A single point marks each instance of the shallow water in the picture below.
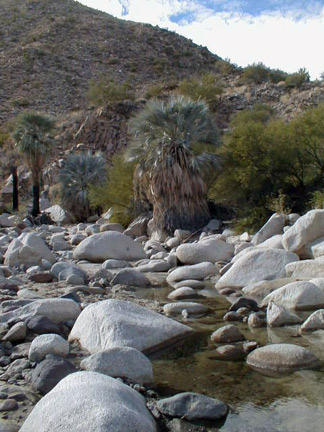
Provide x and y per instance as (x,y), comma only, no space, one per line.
(293,403)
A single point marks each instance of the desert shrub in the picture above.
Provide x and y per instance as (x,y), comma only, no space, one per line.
(297,79)
(277,75)
(102,91)
(255,73)
(79,172)
(208,88)
(116,191)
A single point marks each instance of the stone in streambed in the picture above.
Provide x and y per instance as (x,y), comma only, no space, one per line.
(191,308)
(196,272)
(227,334)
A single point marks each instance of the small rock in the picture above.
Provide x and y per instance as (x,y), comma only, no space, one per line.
(226,334)
(190,307)
(48,344)
(16,333)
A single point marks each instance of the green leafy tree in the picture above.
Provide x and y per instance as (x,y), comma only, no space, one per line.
(79,172)
(32,137)
(171,167)
(116,192)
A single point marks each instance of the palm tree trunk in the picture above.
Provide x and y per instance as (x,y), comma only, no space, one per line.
(15,196)
(35,209)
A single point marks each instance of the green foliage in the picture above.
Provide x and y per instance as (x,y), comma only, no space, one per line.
(79,172)
(103,91)
(225,67)
(317,199)
(297,79)
(171,168)
(269,165)
(208,88)
(255,73)
(116,191)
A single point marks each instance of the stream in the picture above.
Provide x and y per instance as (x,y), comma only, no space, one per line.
(258,403)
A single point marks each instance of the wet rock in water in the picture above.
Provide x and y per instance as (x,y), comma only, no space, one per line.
(232,316)
(314,322)
(131,277)
(244,302)
(48,344)
(301,295)
(109,244)
(192,406)
(278,316)
(256,265)
(191,308)
(230,352)
(197,272)
(124,362)
(257,320)
(178,425)
(41,325)
(250,346)
(206,250)
(107,404)
(112,323)
(50,372)
(16,333)
(182,293)
(227,334)
(261,289)
(195,284)
(282,358)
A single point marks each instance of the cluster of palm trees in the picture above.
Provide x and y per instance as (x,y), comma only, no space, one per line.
(168,148)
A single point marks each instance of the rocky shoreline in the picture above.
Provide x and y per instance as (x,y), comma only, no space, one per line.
(71,324)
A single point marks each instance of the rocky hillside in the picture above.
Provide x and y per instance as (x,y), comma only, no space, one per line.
(50,50)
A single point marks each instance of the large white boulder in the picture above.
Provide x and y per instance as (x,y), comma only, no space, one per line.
(58,214)
(28,249)
(306,229)
(112,323)
(278,316)
(197,272)
(109,244)
(272,227)
(301,295)
(212,250)
(57,310)
(124,362)
(313,268)
(92,402)
(314,322)
(257,265)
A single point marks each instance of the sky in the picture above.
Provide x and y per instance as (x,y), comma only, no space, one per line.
(282,34)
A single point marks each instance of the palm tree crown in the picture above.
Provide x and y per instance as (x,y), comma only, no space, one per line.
(167,146)
(33,141)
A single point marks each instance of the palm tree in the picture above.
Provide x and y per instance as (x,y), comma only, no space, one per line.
(33,141)
(172,168)
(79,172)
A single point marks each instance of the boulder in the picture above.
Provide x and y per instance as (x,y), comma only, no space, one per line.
(192,406)
(314,322)
(191,308)
(182,293)
(138,227)
(278,316)
(131,277)
(112,323)
(56,309)
(17,333)
(58,215)
(306,229)
(115,264)
(50,372)
(124,362)
(282,358)
(42,325)
(48,344)
(106,245)
(257,265)
(198,272)
(227,334)
(111,227)
(274,242)
(154,266)
(107,405)
(206,250)
(273,226)
(312,268)
(301,295)
(261,289)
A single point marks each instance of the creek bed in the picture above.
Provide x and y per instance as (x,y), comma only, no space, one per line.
(258,403)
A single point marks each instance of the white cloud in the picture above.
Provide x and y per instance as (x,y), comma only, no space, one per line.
(279,41)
